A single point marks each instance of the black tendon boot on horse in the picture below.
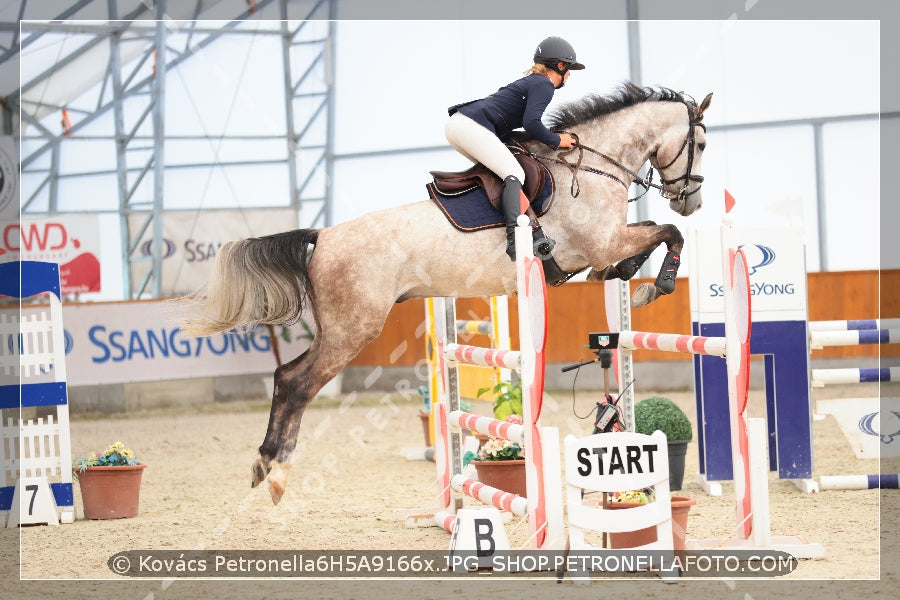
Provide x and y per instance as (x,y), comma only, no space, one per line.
(512,207)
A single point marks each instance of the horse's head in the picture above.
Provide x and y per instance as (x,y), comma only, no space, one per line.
(678,160)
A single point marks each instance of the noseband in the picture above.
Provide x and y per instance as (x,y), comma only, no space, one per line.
(680,196)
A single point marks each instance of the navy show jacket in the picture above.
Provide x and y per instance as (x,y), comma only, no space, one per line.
(520,104)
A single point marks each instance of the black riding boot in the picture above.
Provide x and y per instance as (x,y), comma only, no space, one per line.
(512,208)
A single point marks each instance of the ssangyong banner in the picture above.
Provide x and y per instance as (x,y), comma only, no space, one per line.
(71,241)
(191,240)
(124,342)
(776,258)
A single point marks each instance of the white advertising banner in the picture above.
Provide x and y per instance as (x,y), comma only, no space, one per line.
(777,262)
(191,240)
(124,342)
(9,184)
(71,241)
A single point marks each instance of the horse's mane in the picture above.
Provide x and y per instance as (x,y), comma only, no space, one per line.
(594,105)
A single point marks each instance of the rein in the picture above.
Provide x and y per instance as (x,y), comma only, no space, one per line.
(646,182)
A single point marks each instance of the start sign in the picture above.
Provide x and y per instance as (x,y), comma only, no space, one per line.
(616,461)
(605,460)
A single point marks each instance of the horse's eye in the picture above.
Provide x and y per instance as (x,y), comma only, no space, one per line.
(701,146)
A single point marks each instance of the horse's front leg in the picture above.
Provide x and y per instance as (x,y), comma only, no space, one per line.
(637,242)
(627,268)
(668,272)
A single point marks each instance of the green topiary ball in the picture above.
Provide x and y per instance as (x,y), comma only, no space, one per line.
(661,413)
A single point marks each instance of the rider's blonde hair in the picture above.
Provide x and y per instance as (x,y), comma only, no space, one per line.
(538,69)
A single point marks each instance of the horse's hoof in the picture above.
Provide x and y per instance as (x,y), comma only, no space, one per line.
(258,472)
(277,481)
(644,295)
(276,491)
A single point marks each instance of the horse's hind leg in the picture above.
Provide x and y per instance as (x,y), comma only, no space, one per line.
(296,383)
(289,401)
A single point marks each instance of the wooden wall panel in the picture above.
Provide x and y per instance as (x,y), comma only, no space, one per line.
(577,308)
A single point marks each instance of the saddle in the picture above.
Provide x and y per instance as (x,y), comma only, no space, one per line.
(472,200)
(452,183)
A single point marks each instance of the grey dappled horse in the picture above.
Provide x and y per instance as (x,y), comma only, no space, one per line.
(359,269)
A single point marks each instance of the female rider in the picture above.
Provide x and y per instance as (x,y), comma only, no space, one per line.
(479,129)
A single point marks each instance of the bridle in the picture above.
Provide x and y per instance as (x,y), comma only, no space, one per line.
(688,177)
(680,196)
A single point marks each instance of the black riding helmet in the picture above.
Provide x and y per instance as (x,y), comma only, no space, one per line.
(555,49)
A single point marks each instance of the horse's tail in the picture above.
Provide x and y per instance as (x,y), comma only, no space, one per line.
(255,281)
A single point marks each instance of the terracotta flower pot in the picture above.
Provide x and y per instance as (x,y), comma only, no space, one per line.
(426,428)
(506,475)
(110,492)
(681,506)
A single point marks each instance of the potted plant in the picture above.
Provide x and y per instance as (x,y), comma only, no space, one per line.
(501,463)
(658,413)
(507,399)
(425,413)
(110,482)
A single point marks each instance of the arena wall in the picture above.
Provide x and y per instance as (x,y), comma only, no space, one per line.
(395,360)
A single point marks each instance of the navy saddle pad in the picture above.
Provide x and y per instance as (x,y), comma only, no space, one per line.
(470,210)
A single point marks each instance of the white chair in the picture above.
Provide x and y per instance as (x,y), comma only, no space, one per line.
(618,462)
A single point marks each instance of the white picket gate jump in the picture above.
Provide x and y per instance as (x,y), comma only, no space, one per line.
(33,375)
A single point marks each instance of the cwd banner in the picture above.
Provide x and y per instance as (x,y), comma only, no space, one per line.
(191,240)
(125,342)
(71,241)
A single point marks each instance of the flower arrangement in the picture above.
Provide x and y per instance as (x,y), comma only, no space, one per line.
(498,449)
(116,455)
(643,496)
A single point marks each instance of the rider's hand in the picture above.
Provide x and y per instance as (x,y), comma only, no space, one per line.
(566,140)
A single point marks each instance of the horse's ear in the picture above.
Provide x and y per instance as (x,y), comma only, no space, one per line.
(703,105)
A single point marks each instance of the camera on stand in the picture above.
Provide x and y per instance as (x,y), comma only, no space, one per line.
(609,415)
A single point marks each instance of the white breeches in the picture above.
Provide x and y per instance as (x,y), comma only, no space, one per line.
(479,144)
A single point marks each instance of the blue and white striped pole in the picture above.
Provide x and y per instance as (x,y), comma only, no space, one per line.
(858,482)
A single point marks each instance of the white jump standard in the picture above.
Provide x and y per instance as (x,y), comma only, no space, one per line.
(543,505)
(747,459)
